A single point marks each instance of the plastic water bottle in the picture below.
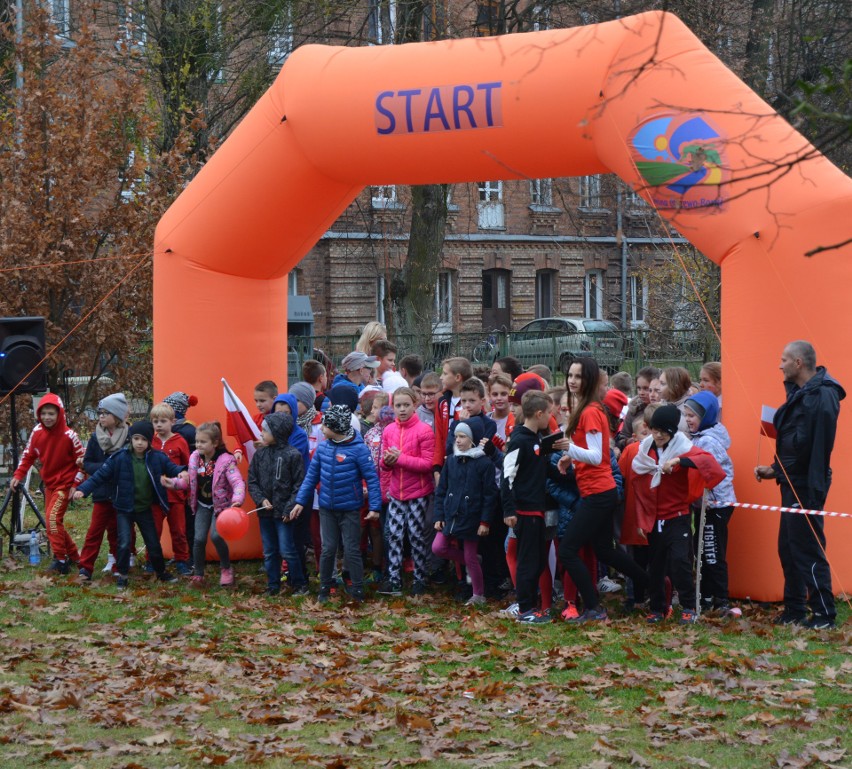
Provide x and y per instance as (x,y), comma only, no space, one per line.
(35,550)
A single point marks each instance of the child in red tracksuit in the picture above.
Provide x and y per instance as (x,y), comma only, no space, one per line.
(59,452)
(175,447)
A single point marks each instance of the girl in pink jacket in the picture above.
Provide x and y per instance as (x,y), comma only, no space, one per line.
(407,448)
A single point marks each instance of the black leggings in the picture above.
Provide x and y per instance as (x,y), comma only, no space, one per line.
(592,524)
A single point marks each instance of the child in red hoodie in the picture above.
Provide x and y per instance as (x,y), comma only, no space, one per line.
(59,452)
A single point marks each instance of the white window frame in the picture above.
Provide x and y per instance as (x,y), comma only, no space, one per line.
(593,292)
(492,215)
(443,310)
(540,300)
(384,196)
(541,193)
(381,28)
(638,292)
(293,283)
(281,40)
(541,18)
(633,201)
(60,17)
(131,26)
(381,293)
(589,188)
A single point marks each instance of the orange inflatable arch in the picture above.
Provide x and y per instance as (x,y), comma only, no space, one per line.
(640,97)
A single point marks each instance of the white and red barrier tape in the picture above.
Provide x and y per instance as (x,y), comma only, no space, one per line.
(773,508)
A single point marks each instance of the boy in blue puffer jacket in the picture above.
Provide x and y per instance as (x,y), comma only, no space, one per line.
(340,465)
(701,412)
(133,475)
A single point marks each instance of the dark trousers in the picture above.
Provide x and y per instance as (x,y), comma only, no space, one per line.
(592,524)
(189,520)
(801,548)
(302,538)
(714,558)
(495,570)
(337,526)
(145,521)
(670,542)
(532,558)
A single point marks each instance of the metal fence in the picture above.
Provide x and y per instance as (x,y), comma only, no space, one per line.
(638,348)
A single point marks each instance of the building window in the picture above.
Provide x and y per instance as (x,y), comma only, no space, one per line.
(383,196)
(488,21)
(638,299)
(594,286)
(293,283)
(541,17)
(131,24)
(544,285)
(444,301)
(280,40)
(590,192)
(60,16)
(491,214)
(495,290)
(632,201)
(434,20)
(381,293)
(381,22)
(541,193)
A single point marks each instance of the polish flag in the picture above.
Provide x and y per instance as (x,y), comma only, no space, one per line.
(767,426)
(240,423)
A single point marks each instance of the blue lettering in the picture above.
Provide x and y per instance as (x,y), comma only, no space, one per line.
(389,115)
(435,109)
(488,88)
(459,107)
(408,95)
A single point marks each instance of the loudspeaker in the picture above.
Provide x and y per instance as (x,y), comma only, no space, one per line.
(22,350)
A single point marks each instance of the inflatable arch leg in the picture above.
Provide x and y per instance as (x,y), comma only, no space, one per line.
(640,97)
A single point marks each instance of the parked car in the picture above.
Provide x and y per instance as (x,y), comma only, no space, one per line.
(557,342)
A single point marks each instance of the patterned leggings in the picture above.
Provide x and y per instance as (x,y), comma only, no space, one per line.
(408,516)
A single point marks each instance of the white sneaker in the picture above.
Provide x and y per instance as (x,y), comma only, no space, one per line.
(475,600)
(132,560)
(109,564)
(607,585)
(511,611)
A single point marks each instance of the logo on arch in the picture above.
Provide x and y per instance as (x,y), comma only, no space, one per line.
(681,160)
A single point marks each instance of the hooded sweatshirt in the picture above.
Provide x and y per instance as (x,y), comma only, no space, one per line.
(298,437)
(713,437)
(276,471)
(57,449)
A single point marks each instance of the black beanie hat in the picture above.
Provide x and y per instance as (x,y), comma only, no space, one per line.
(145,429)
(666,418)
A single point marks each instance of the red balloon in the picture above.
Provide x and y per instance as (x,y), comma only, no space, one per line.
(232,523)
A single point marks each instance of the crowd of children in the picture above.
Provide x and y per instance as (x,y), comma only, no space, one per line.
(499,483)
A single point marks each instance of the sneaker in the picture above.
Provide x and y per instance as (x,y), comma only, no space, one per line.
(226,577)
(654,617)
(438,577)
(513,610)
(183,568)
(324,595)
(167,577)
(84,575)
(196,580)
(688,617)
(607,585)
(475,600)
(534,617)
(60,567)
(109,564)
(132,560)
(272,591)
(389,587)
(356,594)
(789,618)
(148,568)
(301,590)
(418,588)
(570,612)
(821,622)
(121,582)
(590,615)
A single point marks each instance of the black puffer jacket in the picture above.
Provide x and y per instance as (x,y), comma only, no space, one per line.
(276,471)
(806,425)
(466,494)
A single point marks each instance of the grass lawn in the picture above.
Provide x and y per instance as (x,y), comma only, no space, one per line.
(164,676)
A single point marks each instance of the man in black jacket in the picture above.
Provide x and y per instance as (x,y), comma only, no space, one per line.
(806,425)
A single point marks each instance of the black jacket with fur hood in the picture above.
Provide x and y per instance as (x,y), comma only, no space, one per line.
(276,471)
